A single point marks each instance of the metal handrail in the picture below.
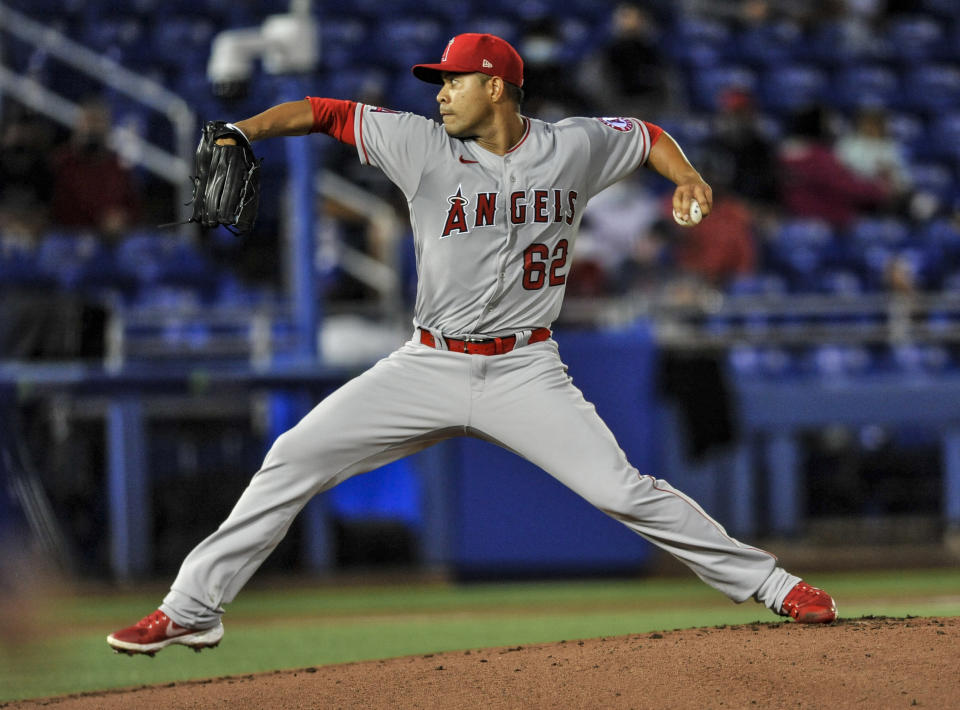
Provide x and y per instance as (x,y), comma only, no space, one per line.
(173,168)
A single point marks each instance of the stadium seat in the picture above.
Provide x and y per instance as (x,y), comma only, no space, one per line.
(801,232)
(744,360)
(19,266)
(889,232)
(691,132)
(767,45)
(918,358)
(836,43)
(833,360)
(944,136)
(798,250)
(709,83)
(411,41)
(914,38)
(142,255)
(908,130)
(119,32)
(764,284)
(934,178)
(183,42)
(63,256)
(498,25)
(944,232)
(864,85)
(788,88)
(841,283)
(932,88)
(353,83)
(697,42)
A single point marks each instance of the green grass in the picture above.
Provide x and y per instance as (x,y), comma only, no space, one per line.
(297,627)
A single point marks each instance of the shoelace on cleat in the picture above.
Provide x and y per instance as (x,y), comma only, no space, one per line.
(155,619)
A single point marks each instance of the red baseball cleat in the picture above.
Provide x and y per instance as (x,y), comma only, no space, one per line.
(157,631)
(809,605)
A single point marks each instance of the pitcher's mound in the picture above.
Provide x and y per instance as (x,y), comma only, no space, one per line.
(872,662)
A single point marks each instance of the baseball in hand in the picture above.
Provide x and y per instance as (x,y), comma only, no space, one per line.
(695,215)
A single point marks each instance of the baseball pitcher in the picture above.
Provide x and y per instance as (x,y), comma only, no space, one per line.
(495,201)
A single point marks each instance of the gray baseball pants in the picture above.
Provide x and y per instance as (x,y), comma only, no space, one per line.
(522,400)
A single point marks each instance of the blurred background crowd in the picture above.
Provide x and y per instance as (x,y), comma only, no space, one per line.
(829,130)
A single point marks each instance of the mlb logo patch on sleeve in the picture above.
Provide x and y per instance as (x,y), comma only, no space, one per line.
(617,124)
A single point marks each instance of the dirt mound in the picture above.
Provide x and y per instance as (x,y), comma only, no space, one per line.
(877,662)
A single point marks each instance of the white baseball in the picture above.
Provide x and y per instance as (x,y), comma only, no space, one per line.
(695,215)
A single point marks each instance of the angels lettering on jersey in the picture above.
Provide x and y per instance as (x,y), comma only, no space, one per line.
(481,209)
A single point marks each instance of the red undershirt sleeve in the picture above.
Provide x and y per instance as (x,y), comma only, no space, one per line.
(654,130)
(334,117)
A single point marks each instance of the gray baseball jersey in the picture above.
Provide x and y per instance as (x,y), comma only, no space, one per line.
(495,234)
(494,237)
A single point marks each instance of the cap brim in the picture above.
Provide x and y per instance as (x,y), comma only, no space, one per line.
(433,73)
(429,73)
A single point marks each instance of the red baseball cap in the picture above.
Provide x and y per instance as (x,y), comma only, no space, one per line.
(472,52)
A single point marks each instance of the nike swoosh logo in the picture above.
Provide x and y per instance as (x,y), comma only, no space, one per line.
(170,631)
(467,162)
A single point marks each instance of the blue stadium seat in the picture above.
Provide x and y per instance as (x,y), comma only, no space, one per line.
(934,178)
(785,89)
(697,42)
(63,256)
(864,85)
(777,362)
(352,83)
(908,130)
(916,358)
(763,284)
(341,42)
(914,38)
(119,32)
(407,93)
(932,88)
(802,232)
(841,282)
(944,136)
(833,360)
(744,359)
(411,41)
(943,232)
(768,45)
(707,84)
(142,255)
(498,25)
(183,42)
(19,265)
(888,232)
(798,250)
(833,43)
(691,132)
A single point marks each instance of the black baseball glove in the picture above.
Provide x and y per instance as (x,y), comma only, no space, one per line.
(226,188)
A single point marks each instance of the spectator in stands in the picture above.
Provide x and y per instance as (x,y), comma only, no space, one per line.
(873,154)
(744,14)
(26,183)
(814,183)
(92,188)
(547,78)
(629,75)
(741,145)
